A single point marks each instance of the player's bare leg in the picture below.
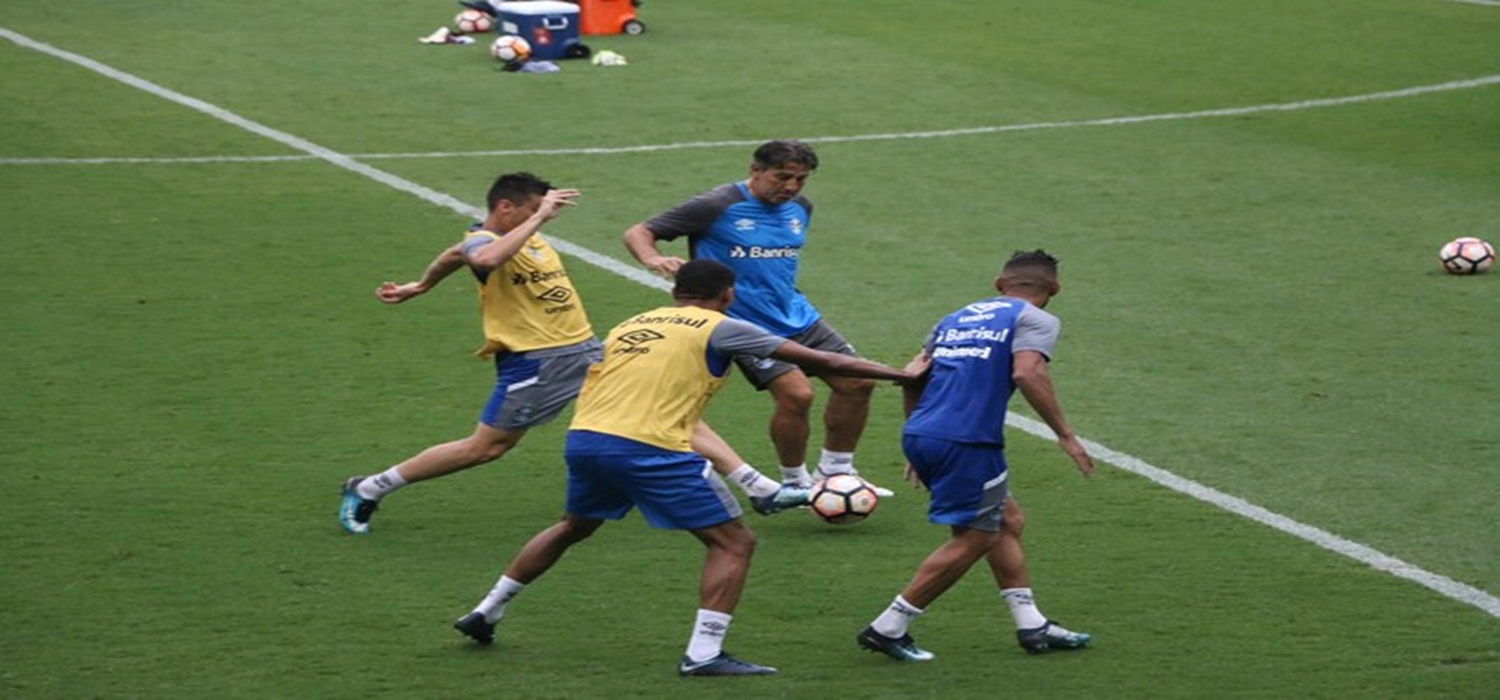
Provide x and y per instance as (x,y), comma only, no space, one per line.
(847,412)
(725,568)
(844,421)
(361,495)
(793,397)
(543,550)
(937,573)
(1007,559)
(766,495)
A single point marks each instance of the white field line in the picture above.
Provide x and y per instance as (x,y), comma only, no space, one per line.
(1487,3)
(946,133)
(1327,540)
(1441,584)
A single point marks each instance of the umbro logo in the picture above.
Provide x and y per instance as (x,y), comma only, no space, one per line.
(556,295)
(643,335)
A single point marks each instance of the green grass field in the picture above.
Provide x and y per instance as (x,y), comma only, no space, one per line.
(194,360)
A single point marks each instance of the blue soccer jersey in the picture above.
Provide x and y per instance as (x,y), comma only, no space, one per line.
(760,242)
(970,383)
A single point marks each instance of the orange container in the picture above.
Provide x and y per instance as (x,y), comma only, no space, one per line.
(609,17)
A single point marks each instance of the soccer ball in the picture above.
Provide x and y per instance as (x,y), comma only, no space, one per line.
(843,498)
(1467,256)
(473,22)
(510,48)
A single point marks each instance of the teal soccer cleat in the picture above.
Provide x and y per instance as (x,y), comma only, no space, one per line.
(354,511)
(902,648)
(788,496)
(1039,640)
(722,665)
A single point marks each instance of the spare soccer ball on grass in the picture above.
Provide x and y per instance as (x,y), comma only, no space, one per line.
(473,22)
(1467,256)
(510,48)
(843,498)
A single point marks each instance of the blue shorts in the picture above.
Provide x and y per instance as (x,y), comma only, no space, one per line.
(607,475)
(967,481)
(531,388)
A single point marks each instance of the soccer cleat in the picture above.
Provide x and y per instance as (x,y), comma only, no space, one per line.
(788,496)
(721,665)
(354,510)
(1039,640)
(902,648)
(475,627)
(880,491)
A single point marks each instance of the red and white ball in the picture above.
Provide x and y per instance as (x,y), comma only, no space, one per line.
(510,48)
(473,22)
(1467,256)
(843,498)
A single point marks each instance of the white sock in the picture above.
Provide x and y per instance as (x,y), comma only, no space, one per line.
(1023,608)
(374,488)
(493,605)
(896,618)
(752,481)
(708,635)
(796,475)
(836,463)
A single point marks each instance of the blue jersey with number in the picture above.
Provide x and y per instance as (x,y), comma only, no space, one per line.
(761,242)
(970,383)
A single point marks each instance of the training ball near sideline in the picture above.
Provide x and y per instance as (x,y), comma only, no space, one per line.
(510,48)
(1467,256)
(843,498)
(473,22)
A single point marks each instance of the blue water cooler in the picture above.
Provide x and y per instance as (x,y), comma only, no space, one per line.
(550,26)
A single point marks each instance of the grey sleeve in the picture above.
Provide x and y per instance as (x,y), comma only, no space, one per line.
(1036,330)
(736,337)
(693,217)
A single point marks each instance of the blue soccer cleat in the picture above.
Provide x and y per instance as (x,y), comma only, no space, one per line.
(1039,640)
(902,648)
(354,510)
(788,496)
(721,665)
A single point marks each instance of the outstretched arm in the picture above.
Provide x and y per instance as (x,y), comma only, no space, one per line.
(446,263)
(835,363)
(1029,370)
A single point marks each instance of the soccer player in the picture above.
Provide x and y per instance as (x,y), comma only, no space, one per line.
(542,343)
(757,228)
(954,443)
(628,446)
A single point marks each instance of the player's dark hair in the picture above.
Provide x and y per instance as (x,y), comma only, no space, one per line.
(702,279)
(774,154)
(515,187)
(1032,259)
(1030,268)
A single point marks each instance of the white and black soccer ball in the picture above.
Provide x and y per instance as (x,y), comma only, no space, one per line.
(843,498)
(1467,256)
(510,48)
(473,22)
